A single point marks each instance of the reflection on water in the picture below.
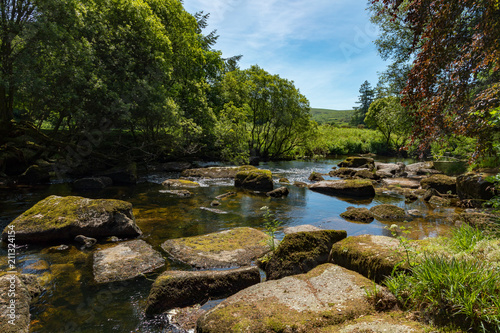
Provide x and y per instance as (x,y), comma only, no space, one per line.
(73,302)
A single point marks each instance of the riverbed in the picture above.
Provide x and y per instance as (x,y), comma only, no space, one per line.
(72,302)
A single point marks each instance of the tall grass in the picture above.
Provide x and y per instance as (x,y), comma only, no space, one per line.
(454,286)
(332,140)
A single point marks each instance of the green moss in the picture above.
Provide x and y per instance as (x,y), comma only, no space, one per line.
(388,212)
(57,212)
(229,240)
(255,179)
(302,251)
(180,183)
(358,215)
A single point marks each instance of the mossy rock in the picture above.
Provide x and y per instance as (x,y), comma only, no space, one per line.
(387,212)
(325,296)
(61,219)
(358,162)
(393,322)
(22,289)
(474,186)
(487,222)
(255,180)
(125,261)
(315,177)
(300,252)
(441,183)
(216,172)
(366,174)
(375,257)
(177,289)
(343,173)
(229,248)
(358,215)
(360,188)
(180,183)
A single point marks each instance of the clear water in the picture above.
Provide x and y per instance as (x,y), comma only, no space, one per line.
(72,302)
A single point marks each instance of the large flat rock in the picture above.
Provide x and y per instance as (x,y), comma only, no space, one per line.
(16,294)
(327,295)
(61,219)
(229,248)
(360,188)
(177,289)
(126,261)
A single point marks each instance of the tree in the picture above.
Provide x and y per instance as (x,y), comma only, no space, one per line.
(277,114)
(453,85)
(365,99)
(387,115)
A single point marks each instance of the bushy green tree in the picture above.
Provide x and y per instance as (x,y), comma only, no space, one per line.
(387,115)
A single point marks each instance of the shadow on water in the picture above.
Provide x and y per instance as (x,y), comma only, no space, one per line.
(72,301)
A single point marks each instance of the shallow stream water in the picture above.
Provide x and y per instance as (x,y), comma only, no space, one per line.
(72,302)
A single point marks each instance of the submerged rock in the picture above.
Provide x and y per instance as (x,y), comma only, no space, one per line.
(255,180)
(358,215)
(300,252)
(229,248)
(179,183)
(388,213)
(213,210)
(375,257)
(216,172)
(299,228)
(57,219)
(347,187)
(16,293)
(174,289)
(125,261)
(325,296)
(92,183)
(179,193)
(441,183)
(279,192)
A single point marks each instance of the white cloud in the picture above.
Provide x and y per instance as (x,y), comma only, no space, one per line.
(323,45)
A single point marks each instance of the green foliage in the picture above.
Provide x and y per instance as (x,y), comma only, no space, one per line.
(455,146)
(271,224)
(275,113)
(391,119)
(466,238)
(495,201)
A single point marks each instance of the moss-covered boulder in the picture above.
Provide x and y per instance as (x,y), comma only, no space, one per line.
(17,291)
(315,177)
(375,257)
(387,212)
(125,261)
(305,303)
(216,172)
(358,215)
(359,188)
(174,289)
(474,187)
(358,162)
(441,183)
(61,219)
(229,248)
(255,180)
(343,172)
(179,183)
(300,252)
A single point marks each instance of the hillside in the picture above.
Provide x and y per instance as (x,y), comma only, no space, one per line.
(326,116)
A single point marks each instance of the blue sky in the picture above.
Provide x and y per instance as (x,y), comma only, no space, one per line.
(324,46)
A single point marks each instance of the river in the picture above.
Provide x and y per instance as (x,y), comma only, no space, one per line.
(72,302)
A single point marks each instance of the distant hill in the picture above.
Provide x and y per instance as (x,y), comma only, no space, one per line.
(326,116)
